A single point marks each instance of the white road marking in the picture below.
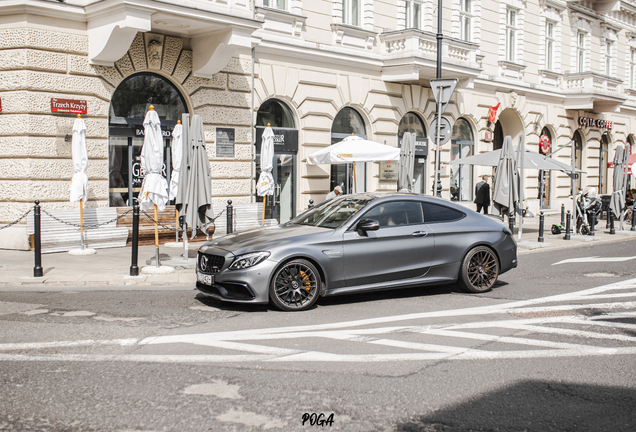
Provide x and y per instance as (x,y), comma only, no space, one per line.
(595,259)
(546,314)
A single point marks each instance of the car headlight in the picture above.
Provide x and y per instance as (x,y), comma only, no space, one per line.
(248,260)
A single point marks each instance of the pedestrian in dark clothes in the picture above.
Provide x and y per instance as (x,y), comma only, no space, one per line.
(482,195)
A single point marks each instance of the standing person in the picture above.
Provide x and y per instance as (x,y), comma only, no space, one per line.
(482,195)
(334,193)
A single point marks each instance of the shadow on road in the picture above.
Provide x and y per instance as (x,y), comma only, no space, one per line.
(536,406)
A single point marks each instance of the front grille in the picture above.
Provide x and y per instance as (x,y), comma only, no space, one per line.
(210,263)
(228,290)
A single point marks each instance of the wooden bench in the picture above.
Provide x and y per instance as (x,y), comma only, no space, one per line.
(56,236)
(247,216)
(166,217)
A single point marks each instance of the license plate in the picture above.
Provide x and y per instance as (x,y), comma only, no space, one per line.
(205,279)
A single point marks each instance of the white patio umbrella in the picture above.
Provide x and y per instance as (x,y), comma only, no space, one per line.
(154,189)
(265,184)
(79,182)
(407,162)
(618,195)
(177,153)
(351,150)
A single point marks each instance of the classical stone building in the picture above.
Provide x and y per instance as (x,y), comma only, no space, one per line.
(317,71)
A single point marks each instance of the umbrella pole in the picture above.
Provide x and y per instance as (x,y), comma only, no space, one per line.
(82,222)
(157,238)
(355,185)
(264,201)
(177,224)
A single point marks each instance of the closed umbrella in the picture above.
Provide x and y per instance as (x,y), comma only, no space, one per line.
(505,189)
(177,151)
(182,186)
(154,189)
(407,162)
(198,199)
(617,201)
(265,184)
(79,182)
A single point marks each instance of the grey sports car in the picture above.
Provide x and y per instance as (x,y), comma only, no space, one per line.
(359,242)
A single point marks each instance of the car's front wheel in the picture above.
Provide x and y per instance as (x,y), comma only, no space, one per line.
(479,271)
(295,286)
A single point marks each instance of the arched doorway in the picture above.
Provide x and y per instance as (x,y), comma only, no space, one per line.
(603,161)
(545,177)
(578,160)
(498,136)
(461,177)
(282,206)
(128,107)
(412,123)
(348,122)
(508,124)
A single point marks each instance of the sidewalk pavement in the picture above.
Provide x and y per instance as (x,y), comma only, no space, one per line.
(111,267)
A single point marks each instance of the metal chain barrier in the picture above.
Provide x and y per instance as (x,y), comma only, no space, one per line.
(16,221)
(85,226)
(180,229)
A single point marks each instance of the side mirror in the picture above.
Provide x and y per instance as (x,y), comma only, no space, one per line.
(368,225)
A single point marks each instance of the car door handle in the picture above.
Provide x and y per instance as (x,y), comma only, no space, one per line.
(419,234)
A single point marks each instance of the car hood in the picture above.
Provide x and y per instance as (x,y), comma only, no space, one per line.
(266,239)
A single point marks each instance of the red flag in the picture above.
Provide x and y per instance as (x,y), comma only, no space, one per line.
(492,113)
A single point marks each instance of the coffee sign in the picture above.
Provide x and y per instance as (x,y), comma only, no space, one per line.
(598,123)
(71,106)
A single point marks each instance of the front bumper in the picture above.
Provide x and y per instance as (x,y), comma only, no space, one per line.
(250,285)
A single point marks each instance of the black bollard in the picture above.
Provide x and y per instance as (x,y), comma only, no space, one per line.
(229,210)
(611,220)
(592,223)
(562,214)
(511,222)
(37,240)
(541,227)
(311,204)
(633,219)
(134,269)
(567,226)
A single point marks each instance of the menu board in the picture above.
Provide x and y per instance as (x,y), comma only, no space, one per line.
(225,142)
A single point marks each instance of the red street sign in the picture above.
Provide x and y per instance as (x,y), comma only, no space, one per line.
(544,144)
(69,106)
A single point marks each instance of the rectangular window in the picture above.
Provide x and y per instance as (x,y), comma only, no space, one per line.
(413,14)
(351,12)
(276,4)
(465,17)
(632,69)
(608,58)
(580,52)
(549,45)
(511,29)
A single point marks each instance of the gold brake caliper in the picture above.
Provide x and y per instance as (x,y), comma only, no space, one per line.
(307,282)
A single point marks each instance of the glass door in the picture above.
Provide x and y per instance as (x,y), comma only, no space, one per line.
(281,206)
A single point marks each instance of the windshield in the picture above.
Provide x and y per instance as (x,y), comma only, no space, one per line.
(333,213)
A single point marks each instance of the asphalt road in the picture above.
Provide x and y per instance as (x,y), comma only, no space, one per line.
(552,348)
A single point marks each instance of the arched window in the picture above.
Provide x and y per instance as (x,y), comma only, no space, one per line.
(578,160)
(412,123)
(603,160)
(462,144)
(276,113)
(128,107)
(545,176)
(135,94)
(346,123)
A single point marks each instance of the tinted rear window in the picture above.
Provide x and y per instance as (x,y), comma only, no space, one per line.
(439,213)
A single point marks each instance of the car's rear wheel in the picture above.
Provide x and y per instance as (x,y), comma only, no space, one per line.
(479,271)
(295,286)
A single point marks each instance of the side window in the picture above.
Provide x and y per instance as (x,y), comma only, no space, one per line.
(396,213)
(438,213)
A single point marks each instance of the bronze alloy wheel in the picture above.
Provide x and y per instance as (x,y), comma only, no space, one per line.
(295,286)
(479,271)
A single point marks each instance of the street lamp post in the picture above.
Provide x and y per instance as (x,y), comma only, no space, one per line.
(440,36)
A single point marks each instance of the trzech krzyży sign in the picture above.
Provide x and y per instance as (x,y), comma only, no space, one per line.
(69,106)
